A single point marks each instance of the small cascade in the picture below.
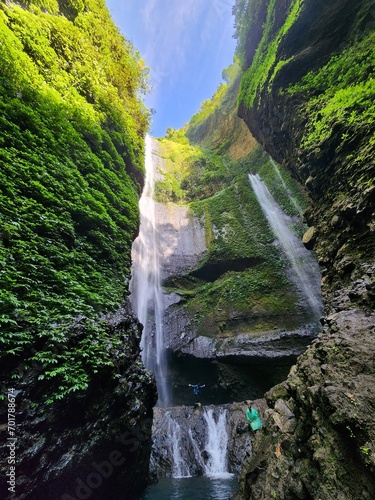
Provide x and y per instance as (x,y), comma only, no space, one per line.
(196,452)
(305,271)
(189,443)
(217,444)
(145,287)
(180,467)
(290,194)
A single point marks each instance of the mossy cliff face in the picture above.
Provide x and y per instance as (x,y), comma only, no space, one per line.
(217,126)
(71,171)
(237,295)
(233,306)
(307,96)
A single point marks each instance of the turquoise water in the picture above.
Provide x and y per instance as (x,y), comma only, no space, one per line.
(196,488)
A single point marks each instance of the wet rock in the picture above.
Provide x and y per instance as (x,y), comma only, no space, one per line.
(324,417)
(96,442)
(309,238)
(185,427)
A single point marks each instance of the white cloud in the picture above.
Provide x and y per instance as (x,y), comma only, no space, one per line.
(147,13)
(169,31)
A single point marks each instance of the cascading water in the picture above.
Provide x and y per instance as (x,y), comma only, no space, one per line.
(290,194)
(145,287)
(180,466)
(217,444)
(305,271)
(192,443)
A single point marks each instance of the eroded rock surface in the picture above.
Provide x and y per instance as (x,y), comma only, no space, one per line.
(319,435)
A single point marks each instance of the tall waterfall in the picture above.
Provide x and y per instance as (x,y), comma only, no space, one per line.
(145,287)
(305,271)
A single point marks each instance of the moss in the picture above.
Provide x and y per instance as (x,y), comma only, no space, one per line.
(341,97)
(241,274)
(265,64)
(72,137)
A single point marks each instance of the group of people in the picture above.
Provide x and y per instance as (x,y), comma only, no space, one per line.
(252,414)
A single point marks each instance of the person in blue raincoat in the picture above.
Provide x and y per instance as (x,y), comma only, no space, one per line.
(252,416)
(196,389)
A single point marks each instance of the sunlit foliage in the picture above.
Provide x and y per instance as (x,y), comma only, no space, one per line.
(72,124)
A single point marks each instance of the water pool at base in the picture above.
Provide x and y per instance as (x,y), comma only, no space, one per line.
(197,488)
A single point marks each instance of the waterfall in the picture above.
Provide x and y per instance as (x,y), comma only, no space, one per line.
(189,443)
(290,194)
(145,287)
(180,466)
(305,271)
(217,444)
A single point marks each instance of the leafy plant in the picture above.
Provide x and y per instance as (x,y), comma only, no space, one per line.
(72,125)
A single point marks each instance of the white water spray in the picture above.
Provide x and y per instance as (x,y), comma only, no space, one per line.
(193,444)
(305,271)
(145,287)
(290,194)
(180,466)
(217,444)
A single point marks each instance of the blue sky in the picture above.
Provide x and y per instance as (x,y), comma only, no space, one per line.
(186,44)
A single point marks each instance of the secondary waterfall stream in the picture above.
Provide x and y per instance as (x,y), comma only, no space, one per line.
(290,194)
(197,449)
(305,273)
(190,451)
(216,445)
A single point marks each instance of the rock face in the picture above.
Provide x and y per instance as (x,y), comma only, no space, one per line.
(223,129)
(96,444)
(319,440)
(339,183)
(319,434)
(214,311)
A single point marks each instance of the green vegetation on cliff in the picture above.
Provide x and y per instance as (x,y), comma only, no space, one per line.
(71,136)
(341,97)
(265,64)
(241,276)
(313,109)
(216,125)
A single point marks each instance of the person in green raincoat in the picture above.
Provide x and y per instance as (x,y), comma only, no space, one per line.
(252,416)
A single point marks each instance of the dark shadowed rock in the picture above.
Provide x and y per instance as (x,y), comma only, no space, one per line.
(93,444)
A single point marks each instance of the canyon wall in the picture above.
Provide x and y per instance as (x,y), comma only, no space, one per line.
(230,300)
(307,97)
